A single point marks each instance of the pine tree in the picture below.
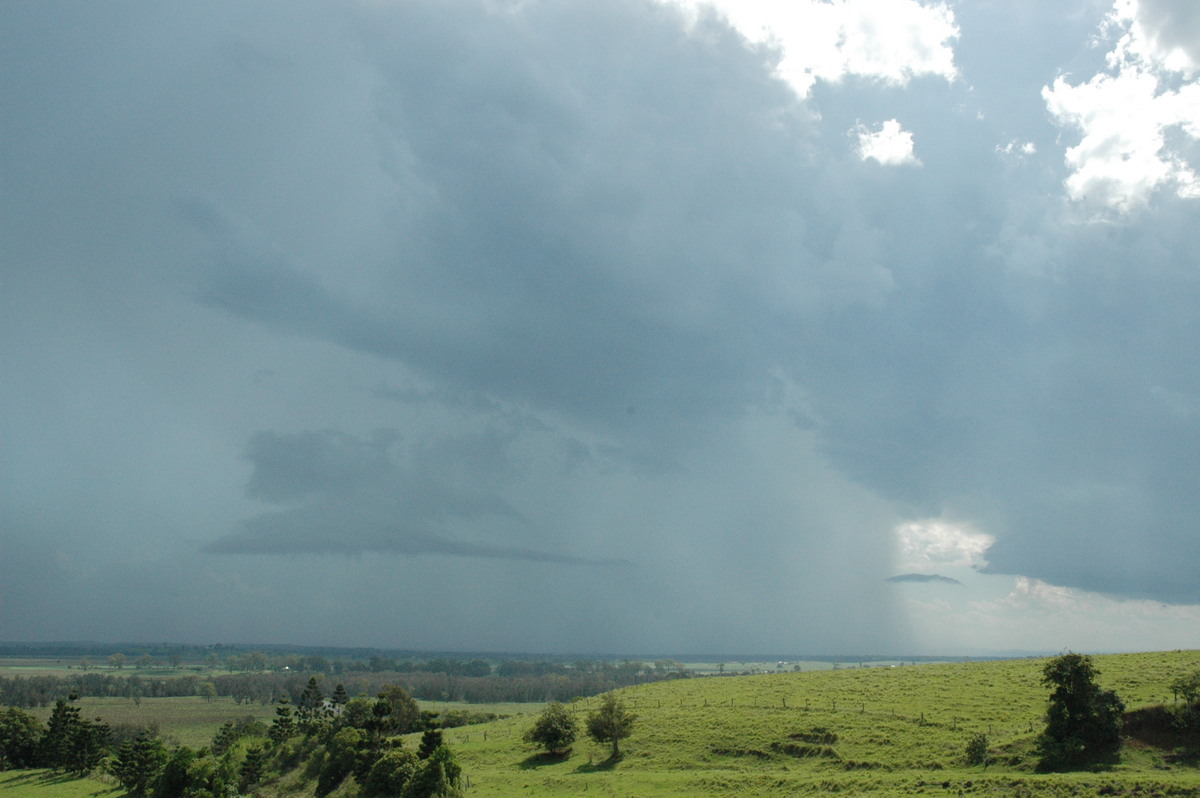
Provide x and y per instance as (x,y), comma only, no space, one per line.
(312,706)
(60,731)
(431,740)
(88,745)
(252,767)
(138,763)
(284,725)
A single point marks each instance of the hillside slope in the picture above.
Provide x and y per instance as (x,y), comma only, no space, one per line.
(872,731)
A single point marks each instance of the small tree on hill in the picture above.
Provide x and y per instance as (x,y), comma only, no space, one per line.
(555,729)
(1083,721)
(977,750)
(1187,715)
(611,723)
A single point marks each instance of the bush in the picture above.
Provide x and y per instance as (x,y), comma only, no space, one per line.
(977,750)
(555,729)
(391,773)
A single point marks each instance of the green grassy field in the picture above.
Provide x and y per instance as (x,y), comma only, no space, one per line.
(871,731)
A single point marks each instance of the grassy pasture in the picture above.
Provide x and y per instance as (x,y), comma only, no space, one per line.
(498,708)
(187,720)
(47,784)
(713,667)
(868,731)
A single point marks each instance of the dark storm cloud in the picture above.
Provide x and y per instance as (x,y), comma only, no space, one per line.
(510,286)
(1058,408)
(583,229)
(341,494)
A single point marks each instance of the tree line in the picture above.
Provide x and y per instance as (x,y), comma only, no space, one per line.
(338,739)
(512,680)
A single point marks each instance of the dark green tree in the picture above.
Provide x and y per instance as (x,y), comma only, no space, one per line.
(359,712)
(393,712)
(401,713)
(611,723)
(1187,687)
(391,773)
(88,744)
(341,755)
(72,743)
(340,697)
(1187,714)
(20,734)
(311,709)
(439,776)
(174,779)
(977,752)
(431,740)
(60,731)
(252,767)
(284,725)
(234,730)
(138,763)
(555,729)
(208,775)
(1083,721)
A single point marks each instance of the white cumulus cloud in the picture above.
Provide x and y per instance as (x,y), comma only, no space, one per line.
(1133,117)
(890,145)
(887,40)
(933,543)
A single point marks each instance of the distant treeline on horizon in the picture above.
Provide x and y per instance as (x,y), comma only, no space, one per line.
(199,652)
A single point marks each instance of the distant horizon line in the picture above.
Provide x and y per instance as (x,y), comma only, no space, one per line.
(82,647)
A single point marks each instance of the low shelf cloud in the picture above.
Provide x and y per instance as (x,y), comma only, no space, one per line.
(924,579)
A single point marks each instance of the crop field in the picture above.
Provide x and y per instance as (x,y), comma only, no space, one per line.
(190,720)
(868,731)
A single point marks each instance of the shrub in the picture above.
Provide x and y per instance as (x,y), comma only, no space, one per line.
(977,750)
(555,729)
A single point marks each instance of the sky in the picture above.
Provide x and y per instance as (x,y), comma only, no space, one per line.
(602,326)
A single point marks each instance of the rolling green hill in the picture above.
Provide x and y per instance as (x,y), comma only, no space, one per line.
(870,731)
(876,731)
